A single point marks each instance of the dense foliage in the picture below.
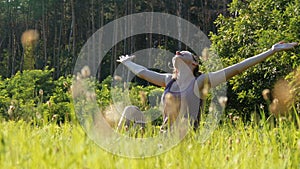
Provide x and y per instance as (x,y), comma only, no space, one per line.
(35,97)
(253,28)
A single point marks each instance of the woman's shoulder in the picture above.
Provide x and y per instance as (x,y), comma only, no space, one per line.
(168,78)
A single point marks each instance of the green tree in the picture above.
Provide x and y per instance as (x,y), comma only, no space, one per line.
(254,26)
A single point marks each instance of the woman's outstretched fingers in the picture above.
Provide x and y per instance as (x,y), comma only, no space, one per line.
(123,58)
(283,46)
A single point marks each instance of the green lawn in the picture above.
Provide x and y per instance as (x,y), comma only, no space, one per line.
(230,146)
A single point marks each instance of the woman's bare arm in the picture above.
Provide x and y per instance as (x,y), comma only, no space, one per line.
(156,78)
(218,77)
(160,79)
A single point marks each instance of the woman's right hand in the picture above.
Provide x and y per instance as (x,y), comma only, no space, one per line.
(125,58)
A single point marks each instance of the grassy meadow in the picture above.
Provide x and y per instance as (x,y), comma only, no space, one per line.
(40,42)
(232,145)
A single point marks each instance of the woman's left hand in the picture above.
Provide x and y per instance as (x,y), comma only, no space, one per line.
(281,46)
(123,59)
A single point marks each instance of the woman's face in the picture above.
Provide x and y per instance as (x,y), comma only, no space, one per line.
(183,57)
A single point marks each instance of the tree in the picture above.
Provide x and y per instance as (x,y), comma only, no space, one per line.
(252,28)
(64,26)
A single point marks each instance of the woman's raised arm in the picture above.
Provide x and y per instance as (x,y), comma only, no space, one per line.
(156,78)
(218,77)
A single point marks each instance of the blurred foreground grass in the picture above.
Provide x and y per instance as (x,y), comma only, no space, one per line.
(231,146)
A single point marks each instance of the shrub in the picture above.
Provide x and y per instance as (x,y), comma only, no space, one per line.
(253,28)
(33,96)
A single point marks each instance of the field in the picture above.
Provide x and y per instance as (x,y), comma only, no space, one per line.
(59,69)
(232,145)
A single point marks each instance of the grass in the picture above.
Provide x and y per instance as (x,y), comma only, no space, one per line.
(230,146)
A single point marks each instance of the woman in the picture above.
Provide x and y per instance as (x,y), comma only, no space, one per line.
(184,88)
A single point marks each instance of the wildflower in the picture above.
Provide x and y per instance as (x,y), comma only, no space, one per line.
(211,108)
(85,72)
(117,78)
(237,141)
(266,94)
(54,117)
(49,103)
(78,76)
(65,84)
(11,110)
(38,115)
(223,101)
(41,92)
(230,116)
(227,158)
(236,118)
(77,89)
(275,101)
(261,106)
(274,107)
(283,98)
(230,140)
(160,146)
(11,107)
(29,38)
(111,114)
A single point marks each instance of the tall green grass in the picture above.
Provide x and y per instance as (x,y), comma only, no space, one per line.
(232,145)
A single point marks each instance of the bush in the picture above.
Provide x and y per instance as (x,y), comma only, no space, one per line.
(34,96)
(4,100)
(253,28)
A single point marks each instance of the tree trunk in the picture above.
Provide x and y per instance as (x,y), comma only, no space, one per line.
(150,37)
(179,10)
(100,47)
(72,37)
(115,48)
(44,32)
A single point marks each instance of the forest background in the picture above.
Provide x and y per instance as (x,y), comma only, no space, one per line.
(33,78)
